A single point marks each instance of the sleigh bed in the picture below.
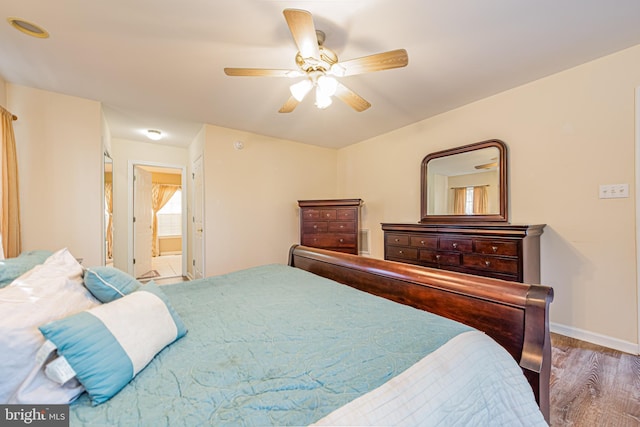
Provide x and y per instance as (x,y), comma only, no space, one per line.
(291,345)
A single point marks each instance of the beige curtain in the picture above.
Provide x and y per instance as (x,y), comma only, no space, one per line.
(108,198)
(459,200)
(480,200)
(10,214)
(160,195)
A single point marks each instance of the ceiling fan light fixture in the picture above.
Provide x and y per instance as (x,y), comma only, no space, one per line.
(323,100)
(154,134)
(327,85)
(301,89)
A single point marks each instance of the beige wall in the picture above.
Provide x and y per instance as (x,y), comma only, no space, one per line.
(251,210)
(566,134)
(3,92)
(59,164)
(124,153)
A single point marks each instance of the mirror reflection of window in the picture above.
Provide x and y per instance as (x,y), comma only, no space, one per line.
(473,180)
(471,200)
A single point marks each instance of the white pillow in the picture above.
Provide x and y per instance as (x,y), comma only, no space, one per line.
(107,346)
(49,291)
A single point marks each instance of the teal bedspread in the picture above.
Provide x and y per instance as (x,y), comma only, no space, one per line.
(271,345)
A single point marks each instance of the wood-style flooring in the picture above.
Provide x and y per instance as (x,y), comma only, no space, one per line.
(593,386)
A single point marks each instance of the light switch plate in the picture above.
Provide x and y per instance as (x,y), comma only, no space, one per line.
(614,191)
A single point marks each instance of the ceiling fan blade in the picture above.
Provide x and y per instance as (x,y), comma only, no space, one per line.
(262,72)
(289,106)
(303,31)
(377,62)
(351,98)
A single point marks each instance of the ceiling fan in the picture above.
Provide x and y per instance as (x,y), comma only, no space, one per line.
(319,66)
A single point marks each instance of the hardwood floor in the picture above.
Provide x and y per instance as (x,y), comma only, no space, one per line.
(593,385)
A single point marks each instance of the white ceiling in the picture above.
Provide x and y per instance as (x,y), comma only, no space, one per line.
(159,63)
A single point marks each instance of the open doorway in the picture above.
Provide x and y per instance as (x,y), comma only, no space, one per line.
(159,210)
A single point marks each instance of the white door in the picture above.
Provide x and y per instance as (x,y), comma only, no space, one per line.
(142,221)
(197,220)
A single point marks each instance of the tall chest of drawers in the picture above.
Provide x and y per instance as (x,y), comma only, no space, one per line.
(510,252)
(330,224)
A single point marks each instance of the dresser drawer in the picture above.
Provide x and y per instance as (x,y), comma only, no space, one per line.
(346,214)
(402,253)
(455,244)
(424,242)
(342,227)
(329,240)
(315,226)
(310,214)
(397,239)
(489,263)
(495,247)
(328,214)
(440,258)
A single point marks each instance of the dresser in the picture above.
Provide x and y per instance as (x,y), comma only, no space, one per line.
(330,224)
(503,251)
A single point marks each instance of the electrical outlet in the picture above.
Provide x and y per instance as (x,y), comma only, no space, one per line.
(614,191)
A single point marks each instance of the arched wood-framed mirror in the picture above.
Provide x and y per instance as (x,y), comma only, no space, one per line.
(465,184)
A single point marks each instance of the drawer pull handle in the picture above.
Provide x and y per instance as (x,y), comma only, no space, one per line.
(328,215)
(342,226)
(438,257)
(341,240)
(455,245)
(397,240)
(315,226)
(487,263)
(400,252)
(422,242)
(494,248)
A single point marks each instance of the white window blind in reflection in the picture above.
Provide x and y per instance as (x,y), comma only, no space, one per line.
(170,216)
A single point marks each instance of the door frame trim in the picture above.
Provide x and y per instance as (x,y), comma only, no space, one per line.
(637,207)
(183,180)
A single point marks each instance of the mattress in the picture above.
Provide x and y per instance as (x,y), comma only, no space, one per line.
(275,345)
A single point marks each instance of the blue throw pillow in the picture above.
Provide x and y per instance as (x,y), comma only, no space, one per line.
(109,283)
(12,268)
(103,345)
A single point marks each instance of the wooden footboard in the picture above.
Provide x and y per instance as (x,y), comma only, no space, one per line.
(516,315)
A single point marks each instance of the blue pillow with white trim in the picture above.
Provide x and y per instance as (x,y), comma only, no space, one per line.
(108,345)
(108,283)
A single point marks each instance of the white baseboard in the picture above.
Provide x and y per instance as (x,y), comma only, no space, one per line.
(594,338)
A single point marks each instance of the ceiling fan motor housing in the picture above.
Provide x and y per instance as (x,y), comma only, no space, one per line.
(324,63)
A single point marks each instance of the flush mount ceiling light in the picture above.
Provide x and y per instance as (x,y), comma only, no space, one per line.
(154,134)
(28,28)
